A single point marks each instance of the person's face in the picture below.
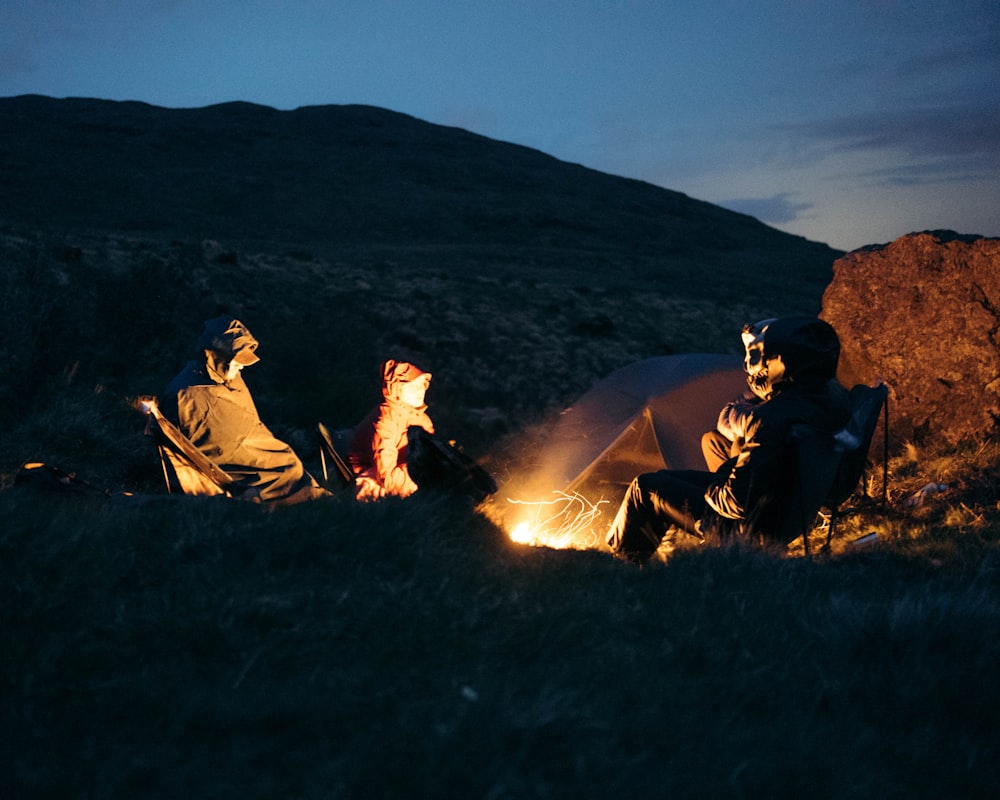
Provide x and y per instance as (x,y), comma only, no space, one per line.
(412,393)
(234,369)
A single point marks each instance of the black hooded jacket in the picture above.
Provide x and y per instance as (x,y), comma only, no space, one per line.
(801,356)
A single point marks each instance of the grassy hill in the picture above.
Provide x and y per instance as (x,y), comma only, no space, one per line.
(165,647)
(344,235)
(336,179)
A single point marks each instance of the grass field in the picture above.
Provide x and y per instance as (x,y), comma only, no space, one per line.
(198,648)
(157,646)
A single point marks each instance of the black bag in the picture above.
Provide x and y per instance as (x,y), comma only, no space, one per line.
(435,464)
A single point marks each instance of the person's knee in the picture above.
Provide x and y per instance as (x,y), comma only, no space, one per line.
(645,484)
(635,492)
(715,449)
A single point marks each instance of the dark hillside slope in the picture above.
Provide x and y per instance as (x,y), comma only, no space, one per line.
(359,176)
(342,236)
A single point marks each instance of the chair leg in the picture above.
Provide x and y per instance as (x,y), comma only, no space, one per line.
(166,473)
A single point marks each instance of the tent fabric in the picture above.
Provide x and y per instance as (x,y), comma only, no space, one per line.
(647,416)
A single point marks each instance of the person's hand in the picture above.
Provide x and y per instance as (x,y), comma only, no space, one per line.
(400,483)
(408,485)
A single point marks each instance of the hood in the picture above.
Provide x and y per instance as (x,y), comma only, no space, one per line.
(789,350)
(230,340)
(395,374)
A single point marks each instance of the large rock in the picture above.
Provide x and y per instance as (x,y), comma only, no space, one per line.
(923,314)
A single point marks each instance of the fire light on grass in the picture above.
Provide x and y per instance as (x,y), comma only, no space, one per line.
(567,521)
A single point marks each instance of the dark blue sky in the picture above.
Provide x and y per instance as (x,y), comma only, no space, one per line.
(846,122)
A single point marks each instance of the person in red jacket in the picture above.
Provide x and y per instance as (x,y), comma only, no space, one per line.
(378,452)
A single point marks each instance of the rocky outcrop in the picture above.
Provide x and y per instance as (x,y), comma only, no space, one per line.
(922,313)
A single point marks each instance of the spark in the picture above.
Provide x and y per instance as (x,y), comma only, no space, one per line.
(564,522)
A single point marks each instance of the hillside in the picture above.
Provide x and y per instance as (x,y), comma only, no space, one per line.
(343,235)
(348,177)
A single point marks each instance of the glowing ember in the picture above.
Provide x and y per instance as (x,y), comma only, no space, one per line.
(567,521)
(522,534)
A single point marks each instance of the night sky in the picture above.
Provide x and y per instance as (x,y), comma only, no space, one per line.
(849,123)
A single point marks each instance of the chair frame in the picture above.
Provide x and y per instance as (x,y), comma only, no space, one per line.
(328,452)
(185,468)
(830,508)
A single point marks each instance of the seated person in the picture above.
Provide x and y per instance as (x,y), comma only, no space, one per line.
(212,406)
(378,452)
(723,443)
(791,367)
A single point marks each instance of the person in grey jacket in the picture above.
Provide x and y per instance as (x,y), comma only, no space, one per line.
(211,405)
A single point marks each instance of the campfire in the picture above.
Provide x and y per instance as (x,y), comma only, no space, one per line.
(566,521)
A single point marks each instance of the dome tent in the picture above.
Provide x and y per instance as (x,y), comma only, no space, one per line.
(646,416)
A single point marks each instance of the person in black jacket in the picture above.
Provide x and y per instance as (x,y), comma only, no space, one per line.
(726,439)
(791,366)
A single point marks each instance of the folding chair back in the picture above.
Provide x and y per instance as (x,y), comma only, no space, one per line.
(185,468)
(181,476)
(817,459)
(868,404)
(336,470)
(830,467)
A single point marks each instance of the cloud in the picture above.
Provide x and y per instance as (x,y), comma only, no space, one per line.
(910,147)
(923,173)
(776,209)
(967,130)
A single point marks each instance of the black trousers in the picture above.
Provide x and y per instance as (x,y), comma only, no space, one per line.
(655,502)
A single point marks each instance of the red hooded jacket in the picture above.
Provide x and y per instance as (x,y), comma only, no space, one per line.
(379,447)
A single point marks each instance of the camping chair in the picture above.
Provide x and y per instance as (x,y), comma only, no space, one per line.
(829,468)
(868,403)
(185,468)
(817,457)
(337,464)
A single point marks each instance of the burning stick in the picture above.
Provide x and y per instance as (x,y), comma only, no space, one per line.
(571,523)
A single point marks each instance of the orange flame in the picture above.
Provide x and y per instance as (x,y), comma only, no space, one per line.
(568,521)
